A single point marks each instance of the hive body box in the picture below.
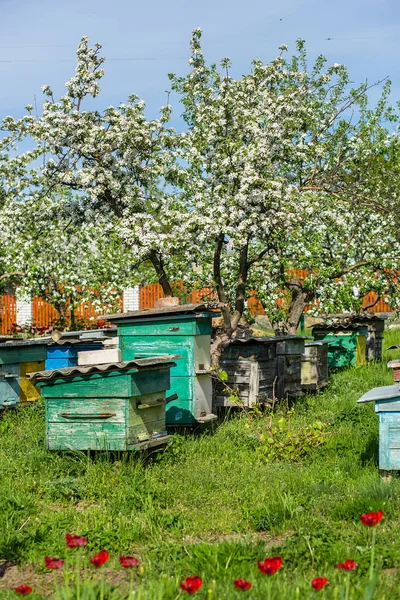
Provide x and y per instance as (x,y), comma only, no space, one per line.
(182,330)
(314,366)
(262,368)
(346,347)
(106,407)
(65,352)
(17,359)
(387,406)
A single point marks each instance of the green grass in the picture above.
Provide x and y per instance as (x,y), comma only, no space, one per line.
(210,505)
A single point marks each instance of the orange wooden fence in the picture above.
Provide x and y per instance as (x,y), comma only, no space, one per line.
(8,313)
(150,293)
(44,315)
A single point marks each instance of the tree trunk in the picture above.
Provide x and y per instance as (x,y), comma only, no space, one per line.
(224,336)
(158,265)
(300,299)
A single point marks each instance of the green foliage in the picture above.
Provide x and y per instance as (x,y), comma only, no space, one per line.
(210,505)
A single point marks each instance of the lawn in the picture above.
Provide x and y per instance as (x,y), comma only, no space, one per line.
(211,505)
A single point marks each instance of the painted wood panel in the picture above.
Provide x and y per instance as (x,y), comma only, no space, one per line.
(67,410)
(148,346)
(169,326)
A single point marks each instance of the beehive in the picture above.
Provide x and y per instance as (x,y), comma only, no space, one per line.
(262,368)
(117,406)
(387,406)
(395,365)
(64,353)
(314,366)
(347,346)
(182,330)
(17,360)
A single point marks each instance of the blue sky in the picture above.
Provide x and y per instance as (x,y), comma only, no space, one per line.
(143,41)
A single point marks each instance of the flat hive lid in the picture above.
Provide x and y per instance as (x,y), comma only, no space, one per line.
(271,339)
(386,392)
(181,309)
(24,343)
(394,364)
(138,364)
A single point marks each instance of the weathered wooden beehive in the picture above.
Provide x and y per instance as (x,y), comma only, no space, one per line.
(184,330)
(387,406)
(395,365)
(117,406)
(314,366)
(261,369)
(17,360)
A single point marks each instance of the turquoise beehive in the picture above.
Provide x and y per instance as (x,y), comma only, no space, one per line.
(387,406)
(185,331)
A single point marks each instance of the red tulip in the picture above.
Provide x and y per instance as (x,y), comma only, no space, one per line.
(242,584)
(269,566)
(99,559)
(53,563)
(128,561)
(191,584)
(347,565)
(23,590)
(74,541)
(372,518)
(318,583)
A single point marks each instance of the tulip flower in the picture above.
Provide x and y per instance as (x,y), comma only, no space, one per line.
(191,584)
(53,563)
(347,565)
(318,583)
(242,584)
(269,566)
(128,561)
(372,518)
(23,590)
(99,559)
(75,541)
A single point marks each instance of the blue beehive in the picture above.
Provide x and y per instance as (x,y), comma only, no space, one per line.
(387,406)
(64,353)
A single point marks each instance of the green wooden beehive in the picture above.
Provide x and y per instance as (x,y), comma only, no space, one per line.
(184,330)
(346,344)
(117,406)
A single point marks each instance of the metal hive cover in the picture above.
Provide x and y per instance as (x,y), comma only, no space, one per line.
(139,363)
(167,310)
(386,392)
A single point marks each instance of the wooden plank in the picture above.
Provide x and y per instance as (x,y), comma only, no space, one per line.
(99,357)
(384,454)
(29,392)
(88,406)
(253,384)
(59,440)
(148,346)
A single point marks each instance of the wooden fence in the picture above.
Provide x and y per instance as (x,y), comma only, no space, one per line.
(44,315)
(150,293)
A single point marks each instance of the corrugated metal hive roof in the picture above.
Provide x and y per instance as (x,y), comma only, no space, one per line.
(139,363)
